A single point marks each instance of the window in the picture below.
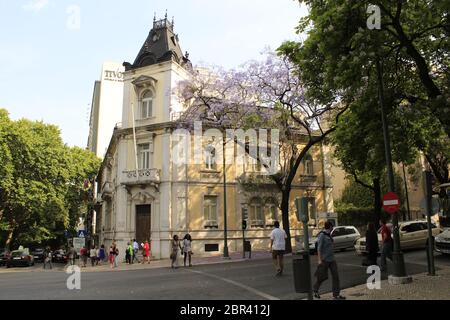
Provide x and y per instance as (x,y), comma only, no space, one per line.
(349,231)
(252,165)
(338,232)
(210,158)
(413,227)
(210,211)
(144,156)
(308,165)
(273,211)
(147,105)
(256,212)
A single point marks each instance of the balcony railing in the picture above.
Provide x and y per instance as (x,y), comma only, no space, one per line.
(141,176)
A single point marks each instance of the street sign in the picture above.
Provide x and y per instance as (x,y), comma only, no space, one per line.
(78,243)
(302,209)
(391,202)
(81,233)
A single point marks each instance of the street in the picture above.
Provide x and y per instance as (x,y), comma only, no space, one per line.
(245,280)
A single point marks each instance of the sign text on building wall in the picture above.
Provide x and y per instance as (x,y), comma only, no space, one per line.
(111,75)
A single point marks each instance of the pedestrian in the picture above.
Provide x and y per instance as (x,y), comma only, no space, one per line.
(187,248)
(84,255)
(48,258)
(175,249)
(101,253)
(325,255)
(116,255)
(372,246)
(93,255)
(128,253)
(112,253)
(135,250)
(277,247)
(387,244)
(72,254)
(146,252)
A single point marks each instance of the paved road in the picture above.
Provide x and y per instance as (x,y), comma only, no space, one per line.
(232,281)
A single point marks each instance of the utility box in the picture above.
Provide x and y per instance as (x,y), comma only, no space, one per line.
(301,268)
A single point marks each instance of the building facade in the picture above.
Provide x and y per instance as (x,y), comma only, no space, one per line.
(106,107)
(145,194)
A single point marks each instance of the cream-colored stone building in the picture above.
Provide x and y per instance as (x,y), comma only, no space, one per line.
(143,194)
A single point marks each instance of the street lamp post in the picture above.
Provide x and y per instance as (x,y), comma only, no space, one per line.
(397,255)
(225,245)
(428,195)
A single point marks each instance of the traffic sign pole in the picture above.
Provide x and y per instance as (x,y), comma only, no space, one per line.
(397,256)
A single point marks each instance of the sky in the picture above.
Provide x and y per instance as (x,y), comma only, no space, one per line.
(51,51)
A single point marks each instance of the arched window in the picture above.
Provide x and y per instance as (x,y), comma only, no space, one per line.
(147,105)
(256,212)
(272,209)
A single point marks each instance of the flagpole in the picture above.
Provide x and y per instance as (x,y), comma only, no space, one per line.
(134,141)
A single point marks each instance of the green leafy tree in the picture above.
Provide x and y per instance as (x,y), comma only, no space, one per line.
(40,180)
(340,51)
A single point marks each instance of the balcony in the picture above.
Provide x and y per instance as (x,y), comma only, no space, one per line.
(142,176)
(308,178)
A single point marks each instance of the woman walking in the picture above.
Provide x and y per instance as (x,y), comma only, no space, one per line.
(112,255)
(372,246)
(187,248)
(176,248)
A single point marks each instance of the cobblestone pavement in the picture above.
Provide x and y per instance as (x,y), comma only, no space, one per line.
(423,287)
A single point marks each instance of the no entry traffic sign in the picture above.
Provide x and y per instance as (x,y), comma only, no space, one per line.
(391,202)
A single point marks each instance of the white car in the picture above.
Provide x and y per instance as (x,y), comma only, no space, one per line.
(442,242)
(344,237)
(413,234)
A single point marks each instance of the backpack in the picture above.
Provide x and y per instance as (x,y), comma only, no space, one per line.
(316,245)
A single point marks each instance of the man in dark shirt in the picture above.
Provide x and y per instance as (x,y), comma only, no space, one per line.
(325,254)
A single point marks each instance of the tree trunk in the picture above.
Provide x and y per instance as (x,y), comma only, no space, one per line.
(377,201)
(285,194)
(9,238)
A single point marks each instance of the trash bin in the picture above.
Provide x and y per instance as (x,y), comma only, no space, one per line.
(302,272)
(248,248)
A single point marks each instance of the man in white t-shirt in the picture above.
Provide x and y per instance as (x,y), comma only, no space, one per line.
(277,247)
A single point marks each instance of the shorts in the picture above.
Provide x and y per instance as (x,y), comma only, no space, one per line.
(276,253)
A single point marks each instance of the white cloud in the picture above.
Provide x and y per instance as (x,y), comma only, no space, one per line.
(35,5)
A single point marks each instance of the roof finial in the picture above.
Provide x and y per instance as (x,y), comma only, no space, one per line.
(154,17)
(166,15)
(173,22)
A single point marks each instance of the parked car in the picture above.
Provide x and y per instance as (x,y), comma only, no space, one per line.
(442,242)
(4,255)
(59,256)
(19,258)
(38,254)
(413,235)
(344,237)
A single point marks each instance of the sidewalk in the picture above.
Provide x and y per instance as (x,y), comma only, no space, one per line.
(423,287)
(154,264)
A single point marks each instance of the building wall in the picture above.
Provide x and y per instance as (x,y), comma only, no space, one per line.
(177,195)
(106,108)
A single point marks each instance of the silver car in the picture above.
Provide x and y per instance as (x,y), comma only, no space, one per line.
(344,237)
